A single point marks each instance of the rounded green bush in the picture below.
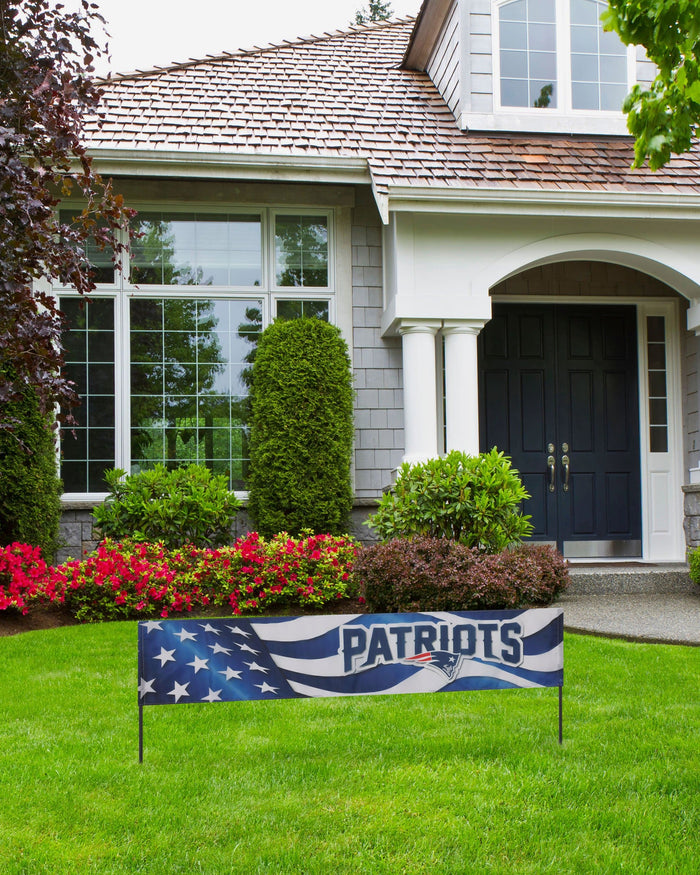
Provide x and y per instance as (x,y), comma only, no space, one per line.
(471,499)
(301,429)
(30,489)
(176,506)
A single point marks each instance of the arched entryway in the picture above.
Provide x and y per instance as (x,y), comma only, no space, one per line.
(578,384)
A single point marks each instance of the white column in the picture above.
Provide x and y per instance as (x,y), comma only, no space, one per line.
(419,390)
(462,385)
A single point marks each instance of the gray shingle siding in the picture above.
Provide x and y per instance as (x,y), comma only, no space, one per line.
(379,440)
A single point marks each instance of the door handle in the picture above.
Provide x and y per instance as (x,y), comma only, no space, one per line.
(552,465)
(566,464)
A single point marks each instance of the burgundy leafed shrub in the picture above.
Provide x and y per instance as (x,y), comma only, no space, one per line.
(437,574)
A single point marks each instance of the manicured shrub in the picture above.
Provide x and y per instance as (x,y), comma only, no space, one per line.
(301,429)
(185,505)
(437,574)
(694,565)
(30,490)
(471,499)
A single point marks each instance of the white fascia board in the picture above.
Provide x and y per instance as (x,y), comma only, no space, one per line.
(539,202)
(542,122)
(230,165)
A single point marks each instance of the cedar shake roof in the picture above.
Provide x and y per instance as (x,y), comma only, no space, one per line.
(345,94)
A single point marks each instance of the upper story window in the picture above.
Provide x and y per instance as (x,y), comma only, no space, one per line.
(598,60)
(554,54)
(528,53)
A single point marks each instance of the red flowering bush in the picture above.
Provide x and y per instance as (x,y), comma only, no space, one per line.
(437,574)
(22,576)
(310,570)
(132,579)
(121,580)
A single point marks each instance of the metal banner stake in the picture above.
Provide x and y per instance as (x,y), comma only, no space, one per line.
(561,716)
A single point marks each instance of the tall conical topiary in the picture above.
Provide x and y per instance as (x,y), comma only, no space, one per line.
(30,490)
(301,429)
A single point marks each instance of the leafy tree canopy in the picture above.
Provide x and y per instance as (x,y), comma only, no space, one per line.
(377,11)
(46,95)
(663,118)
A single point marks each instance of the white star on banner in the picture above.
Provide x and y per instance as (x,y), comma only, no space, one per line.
(179,690)
(199,663)
(230,673)
(237,631)
(217,648)
(253,666)
(151,625)
(214,696)
(266,688)
(184,635)
(146,687)
(209,628)
(165,656)
(249,649)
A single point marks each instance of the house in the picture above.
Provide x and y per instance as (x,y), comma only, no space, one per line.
(455,192)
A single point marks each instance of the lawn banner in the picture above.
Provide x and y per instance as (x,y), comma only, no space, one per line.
(193,661)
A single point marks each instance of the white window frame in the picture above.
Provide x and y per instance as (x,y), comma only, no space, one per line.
(122,292)
(563,117)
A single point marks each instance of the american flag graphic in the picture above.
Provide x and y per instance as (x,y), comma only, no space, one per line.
(225,660)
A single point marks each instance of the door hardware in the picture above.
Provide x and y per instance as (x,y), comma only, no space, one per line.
(565,448)
(551,464)
(565,462)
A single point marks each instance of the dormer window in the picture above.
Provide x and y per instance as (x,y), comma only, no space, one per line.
(598,60)
(528,53)
(554,54)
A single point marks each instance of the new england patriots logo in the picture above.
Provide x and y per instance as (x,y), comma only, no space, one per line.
(440,660)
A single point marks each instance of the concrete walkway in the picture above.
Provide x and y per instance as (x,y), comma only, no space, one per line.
(654,605)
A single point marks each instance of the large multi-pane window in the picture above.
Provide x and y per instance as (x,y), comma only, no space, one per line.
(161,352)
(554,54)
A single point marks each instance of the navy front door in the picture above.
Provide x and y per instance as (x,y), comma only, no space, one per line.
(558,393)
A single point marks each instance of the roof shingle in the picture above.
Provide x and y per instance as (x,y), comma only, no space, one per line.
(346,95)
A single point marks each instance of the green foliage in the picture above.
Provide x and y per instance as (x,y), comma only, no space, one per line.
(301,429)
(694,565)
(663,118)
(377,11)
(436,574)
(180,506)
(30,490)
(471,499)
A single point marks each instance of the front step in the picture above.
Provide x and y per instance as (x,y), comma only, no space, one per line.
(628,579)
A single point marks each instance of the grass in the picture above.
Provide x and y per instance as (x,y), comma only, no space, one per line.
(453,783)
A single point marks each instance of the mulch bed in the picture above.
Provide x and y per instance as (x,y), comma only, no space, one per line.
(53,617)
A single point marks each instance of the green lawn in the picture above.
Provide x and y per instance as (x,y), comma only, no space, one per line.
(451,783)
